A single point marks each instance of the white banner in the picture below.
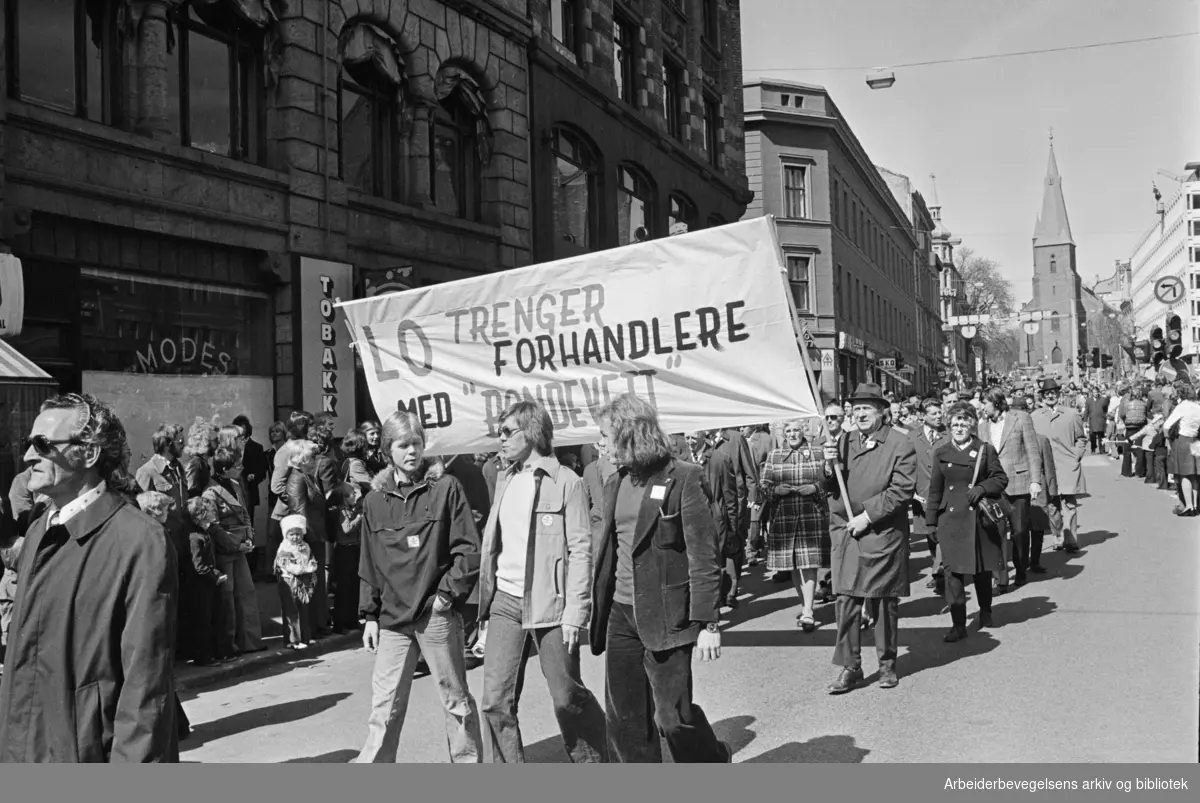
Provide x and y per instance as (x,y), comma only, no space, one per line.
(698,323)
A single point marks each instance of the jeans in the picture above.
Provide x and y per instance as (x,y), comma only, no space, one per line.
(439,637)
(580,718)
(847,651)
(648,695)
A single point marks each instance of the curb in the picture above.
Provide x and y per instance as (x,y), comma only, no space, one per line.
(205,677)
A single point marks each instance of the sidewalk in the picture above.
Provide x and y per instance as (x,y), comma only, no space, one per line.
(191,678)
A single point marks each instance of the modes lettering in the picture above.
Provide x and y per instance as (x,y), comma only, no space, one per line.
(169,353)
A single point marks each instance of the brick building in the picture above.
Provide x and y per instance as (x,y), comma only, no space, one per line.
(635,120)
(856,238)
(190,184)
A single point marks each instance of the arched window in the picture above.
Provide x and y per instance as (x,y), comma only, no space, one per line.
(215,78)
(635,199)
(65,54)
(371,107)
(461,142)
(683,216)
(574,194)
(1055,324)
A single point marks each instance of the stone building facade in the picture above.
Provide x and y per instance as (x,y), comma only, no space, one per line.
(636,121)
(856,238)
(190,185)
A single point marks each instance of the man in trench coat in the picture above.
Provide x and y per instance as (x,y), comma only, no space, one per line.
(89,676)
(1068,439)
(870,542)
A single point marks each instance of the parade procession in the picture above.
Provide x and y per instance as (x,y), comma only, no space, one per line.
(376,392)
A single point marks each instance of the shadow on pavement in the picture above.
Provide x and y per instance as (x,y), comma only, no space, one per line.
(267,671)
(292,711)
(336,757)
(1095,538)
(736,731)
(821,750)
(1015,613)
(922,606)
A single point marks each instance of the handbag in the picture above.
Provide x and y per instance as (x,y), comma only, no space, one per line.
(992,512)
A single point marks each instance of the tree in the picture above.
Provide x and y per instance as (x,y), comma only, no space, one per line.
(988,293)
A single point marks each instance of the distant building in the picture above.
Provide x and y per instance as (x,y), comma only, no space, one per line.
(856,238)
(957,362)
(1170,248)
(1057,288)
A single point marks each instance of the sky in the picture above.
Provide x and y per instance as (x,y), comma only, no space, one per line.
(1119,114)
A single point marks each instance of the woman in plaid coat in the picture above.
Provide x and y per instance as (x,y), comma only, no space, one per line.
(792,482)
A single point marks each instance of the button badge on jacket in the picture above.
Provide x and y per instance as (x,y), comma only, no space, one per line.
(414,541)
(547,520)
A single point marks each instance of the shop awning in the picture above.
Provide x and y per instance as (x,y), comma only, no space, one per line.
(16,367)
(895,376)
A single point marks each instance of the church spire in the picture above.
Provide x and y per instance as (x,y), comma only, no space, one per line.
(1053,228)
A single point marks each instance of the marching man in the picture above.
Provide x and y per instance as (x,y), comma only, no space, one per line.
(870,538)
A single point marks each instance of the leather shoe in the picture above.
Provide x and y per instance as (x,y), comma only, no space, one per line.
(846,681)
(955,633)
(1037,569)
(985,619)
(888,679)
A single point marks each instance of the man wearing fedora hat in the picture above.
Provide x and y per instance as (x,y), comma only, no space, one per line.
(869,531)
(1063,427)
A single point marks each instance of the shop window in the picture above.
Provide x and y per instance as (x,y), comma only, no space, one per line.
(216,96)
(673,92)
(683,215)
(800,281)
(625,35)
(461,142)
(712,125)
(154,325)
(574,194)
(635,199)
(372,103)
(795,191)
(65,55)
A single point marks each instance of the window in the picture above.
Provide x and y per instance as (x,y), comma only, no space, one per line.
(1195,253)
(1194,201)
(369,147)
(455,180)
(795,191)
(63,57)
(683,215)
(215,90)
(711,21)
(1053,264)
(712,124)
(673,97)
(837,210)
(1195,224)
(785,100)
(798,278)
(634,200)
(564,16)
(624,42)
(1055,324)
(1056,355)
(574,195)
(1195,281)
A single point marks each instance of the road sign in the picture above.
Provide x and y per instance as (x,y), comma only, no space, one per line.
(827,359)
(1168,289)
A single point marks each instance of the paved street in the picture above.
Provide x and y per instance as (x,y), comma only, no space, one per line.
(1097,661)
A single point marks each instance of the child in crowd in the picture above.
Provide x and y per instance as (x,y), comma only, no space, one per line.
(296,578)
(203,581)
(344,570)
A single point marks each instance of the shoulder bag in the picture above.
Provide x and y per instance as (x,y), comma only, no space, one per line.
(991,512)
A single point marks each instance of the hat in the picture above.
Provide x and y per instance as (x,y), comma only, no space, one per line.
(868,391)
(294,522)
(1050,384)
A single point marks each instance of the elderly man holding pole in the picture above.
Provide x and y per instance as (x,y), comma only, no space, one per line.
(869,530)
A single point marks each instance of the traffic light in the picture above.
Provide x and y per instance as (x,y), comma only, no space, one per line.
(1158,347)
(1106,361)
(1083,357)
(1174,337)
(1095,361)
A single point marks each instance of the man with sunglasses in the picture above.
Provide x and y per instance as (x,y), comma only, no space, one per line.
(89,671)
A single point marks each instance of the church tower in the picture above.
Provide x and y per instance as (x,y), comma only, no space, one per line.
(1057,288)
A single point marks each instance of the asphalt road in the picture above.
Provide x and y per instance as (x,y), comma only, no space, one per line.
(1096,661)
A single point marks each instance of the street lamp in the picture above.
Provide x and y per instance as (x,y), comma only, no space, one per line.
(881,79)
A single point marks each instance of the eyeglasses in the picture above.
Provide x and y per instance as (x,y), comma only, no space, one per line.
(44,446)
(507,432)
(833,418)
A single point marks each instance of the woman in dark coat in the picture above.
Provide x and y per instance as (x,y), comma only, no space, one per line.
(965,470)
(305,497)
